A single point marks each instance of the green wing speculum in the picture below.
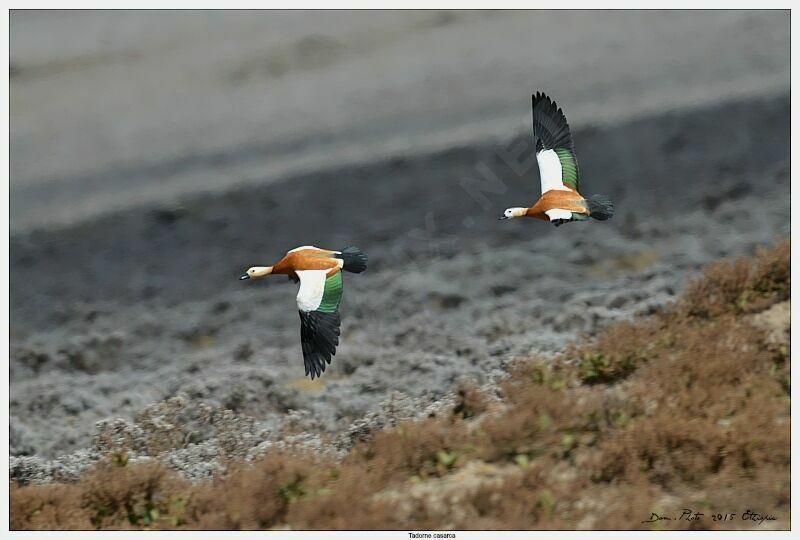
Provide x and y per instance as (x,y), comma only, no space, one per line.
(332,294)
(570,176)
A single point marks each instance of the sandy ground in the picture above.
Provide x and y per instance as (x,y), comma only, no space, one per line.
(124,261)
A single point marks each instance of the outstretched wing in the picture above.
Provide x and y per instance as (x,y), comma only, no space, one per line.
(558,167)
(318,301)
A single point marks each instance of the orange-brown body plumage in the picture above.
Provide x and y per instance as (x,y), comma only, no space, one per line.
(308,259)
(565,199)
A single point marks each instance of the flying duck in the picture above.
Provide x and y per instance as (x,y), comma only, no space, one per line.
(558,169)
(319,272)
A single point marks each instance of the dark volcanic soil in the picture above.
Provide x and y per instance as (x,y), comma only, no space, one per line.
(114,314)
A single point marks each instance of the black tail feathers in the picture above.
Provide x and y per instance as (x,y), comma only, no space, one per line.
(354,259)
(600,207)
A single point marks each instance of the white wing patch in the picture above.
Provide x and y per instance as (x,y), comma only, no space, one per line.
(558,213)
(301,248)
(550,170)
(312,288)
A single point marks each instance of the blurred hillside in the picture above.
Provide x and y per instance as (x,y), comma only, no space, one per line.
(111,109)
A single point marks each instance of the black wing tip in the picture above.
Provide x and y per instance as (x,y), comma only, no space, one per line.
(541,97)
(550,126)
(314,365)
(319,337)
(547,105)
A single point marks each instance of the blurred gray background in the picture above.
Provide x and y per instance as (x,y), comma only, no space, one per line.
(155,155)
(112,109)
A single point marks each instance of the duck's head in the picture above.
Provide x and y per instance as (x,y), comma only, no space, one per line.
(513,212)
(257,272)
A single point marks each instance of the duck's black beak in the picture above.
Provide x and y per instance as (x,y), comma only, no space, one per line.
(502,217)
(244,277)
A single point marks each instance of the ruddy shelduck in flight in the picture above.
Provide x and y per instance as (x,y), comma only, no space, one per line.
(319,272)
(561,200)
